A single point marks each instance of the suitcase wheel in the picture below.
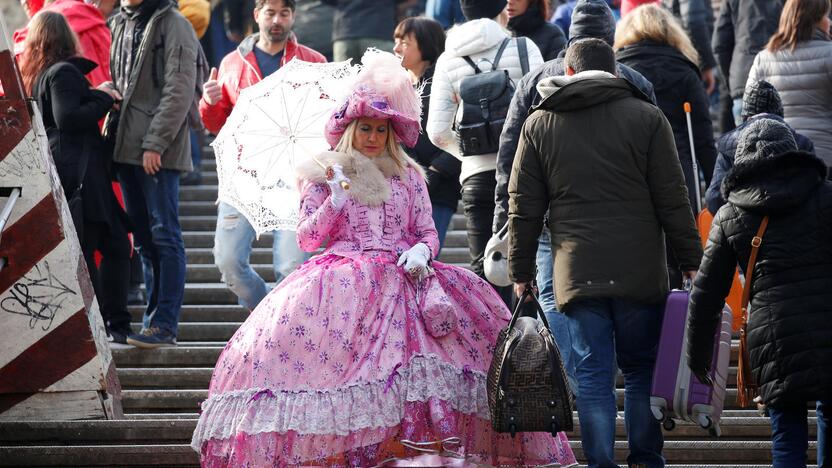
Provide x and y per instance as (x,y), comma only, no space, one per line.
(705,421)
(658,413)
(669,424)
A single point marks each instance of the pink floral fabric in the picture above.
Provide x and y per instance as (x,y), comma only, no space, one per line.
(335,367)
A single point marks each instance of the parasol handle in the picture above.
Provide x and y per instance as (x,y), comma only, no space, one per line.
(344,184)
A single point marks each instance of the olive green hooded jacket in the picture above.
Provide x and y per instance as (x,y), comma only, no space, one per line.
(601,159)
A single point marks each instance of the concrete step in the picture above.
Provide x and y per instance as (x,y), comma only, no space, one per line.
(164,378)
(263,255)
(200,313)
(173,455)
(219,332)
(701,453)
(205,239)
(177,430)
(188,400)
(180,356)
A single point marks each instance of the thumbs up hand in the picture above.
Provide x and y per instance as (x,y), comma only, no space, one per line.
(211,90)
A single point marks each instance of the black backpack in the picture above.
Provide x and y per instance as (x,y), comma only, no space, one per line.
(485,100)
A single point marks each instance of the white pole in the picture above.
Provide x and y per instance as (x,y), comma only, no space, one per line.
(693,160)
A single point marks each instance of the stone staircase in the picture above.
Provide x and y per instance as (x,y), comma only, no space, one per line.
(162,388)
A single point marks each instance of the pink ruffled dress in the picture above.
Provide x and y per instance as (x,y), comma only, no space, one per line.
(335,367)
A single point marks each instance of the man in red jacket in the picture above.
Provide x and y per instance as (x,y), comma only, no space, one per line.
(257,56)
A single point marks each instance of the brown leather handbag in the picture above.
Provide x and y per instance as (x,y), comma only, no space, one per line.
(527,386)
(747,387)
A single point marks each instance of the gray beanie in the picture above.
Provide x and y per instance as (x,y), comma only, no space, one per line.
(763,138)
(760,97)
(592,18)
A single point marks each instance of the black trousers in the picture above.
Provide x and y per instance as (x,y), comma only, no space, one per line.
(111,279)
(478,203)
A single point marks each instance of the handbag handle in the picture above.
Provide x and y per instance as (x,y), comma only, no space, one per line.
(746,387)
(528,292)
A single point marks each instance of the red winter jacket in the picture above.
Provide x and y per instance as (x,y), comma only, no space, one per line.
(238,71)
(94,36)
(628,5)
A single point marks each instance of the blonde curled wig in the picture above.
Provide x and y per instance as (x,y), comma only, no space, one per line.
(653,23)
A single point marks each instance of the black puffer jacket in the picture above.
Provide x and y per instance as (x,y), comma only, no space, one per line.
(790,326)
(443,178)
(548,37)
(697,17)
(676,81)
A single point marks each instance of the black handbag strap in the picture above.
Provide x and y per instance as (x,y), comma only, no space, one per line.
(528,293)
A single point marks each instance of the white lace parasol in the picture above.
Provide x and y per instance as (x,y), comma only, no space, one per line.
(274,124)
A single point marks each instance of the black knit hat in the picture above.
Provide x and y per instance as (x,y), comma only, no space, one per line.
(476,9)
(761,97)
(763,138)
(592,18)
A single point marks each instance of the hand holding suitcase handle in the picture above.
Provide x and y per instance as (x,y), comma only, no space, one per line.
(703,374)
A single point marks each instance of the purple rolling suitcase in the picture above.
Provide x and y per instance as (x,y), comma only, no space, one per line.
(676,393)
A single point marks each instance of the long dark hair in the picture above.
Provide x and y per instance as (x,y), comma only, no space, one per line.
(797,23)
(428,34)
(49,41)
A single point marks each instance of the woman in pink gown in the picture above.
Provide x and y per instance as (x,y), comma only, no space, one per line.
(344,360)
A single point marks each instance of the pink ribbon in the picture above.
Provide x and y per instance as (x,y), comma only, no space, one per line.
(467,373)
(392,376)
(260,394)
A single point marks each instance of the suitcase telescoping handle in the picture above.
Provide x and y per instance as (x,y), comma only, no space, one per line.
(528,293)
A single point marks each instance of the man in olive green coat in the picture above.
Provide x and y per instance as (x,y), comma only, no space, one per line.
(153,61)
(602,161)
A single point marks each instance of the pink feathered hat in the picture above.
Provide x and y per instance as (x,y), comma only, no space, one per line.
(382,90)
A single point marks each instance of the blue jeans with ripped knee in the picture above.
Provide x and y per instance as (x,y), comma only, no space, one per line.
(232,251)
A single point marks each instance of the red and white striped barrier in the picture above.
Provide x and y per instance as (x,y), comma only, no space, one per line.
(55,361)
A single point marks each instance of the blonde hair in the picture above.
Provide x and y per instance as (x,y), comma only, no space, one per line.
(653,23)
(392,148)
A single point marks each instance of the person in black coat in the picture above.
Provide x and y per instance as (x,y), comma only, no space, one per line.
(530,18)
(790,316)
(651,41)
(419,42)
(760,101)
(742,30)
(54,75)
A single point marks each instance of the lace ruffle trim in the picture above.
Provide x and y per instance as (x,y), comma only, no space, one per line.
(343,410)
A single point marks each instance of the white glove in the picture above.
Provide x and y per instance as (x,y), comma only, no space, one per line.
(415,259)
(335,177)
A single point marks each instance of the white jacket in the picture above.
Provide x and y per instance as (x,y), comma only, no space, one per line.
(478,39)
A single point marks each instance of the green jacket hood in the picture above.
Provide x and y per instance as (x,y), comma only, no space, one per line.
(582,90)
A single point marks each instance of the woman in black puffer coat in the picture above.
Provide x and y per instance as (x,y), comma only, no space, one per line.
(650,41)
(530,18)
(790,324)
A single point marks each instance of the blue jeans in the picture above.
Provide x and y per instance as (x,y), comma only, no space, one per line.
(737,110)
(442,220)
(232,250)
(152,204)
(790,435)
(558,322)
(606,331)
(196,150)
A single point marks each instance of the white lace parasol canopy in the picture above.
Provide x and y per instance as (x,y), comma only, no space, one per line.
(276,123)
